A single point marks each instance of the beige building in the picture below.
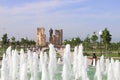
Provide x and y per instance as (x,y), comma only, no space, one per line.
(40,37)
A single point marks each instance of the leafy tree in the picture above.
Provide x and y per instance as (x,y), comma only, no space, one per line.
(13,42)
(18,43)
(73,42)
(87,39)
(86,42)
(31,42)
(69,42)
(5,39)
(65,42)
(94,37)
(13,39)
(106,36)
(77,41)
(25,42)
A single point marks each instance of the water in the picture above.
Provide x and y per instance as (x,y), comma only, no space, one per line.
(66,72)
(90,72)
(52,65)
(40,66)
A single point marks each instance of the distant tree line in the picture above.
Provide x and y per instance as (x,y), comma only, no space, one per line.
(89,43)
(92,42)
(24,42)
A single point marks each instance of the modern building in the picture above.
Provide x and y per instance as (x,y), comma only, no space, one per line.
(40,37)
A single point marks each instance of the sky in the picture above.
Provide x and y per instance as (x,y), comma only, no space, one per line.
(20,18)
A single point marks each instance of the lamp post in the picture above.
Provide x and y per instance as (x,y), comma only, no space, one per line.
(100,33)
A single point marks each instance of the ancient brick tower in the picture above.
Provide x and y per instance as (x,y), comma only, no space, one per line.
(40,37)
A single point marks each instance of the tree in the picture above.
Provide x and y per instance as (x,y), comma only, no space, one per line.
(5,39)
(25,42)
(106,36)
(73,42)
(13,41)
(77,41)
(18,43)
(87,39)
(65,42)
(94,37)
(31,42)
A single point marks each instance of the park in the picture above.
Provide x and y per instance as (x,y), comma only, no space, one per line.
(59,40)
(76,60)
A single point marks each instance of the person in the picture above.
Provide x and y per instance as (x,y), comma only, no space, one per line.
(94,59)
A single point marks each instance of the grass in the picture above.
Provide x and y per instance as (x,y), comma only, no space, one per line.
(2,50)
(106,55)
(113,53)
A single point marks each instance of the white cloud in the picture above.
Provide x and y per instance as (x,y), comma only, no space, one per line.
(15,18)
(37,7)
(33,11)
(44,11)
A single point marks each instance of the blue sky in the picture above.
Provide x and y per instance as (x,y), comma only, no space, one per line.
(20,18)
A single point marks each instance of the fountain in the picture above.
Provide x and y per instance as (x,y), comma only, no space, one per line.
(98,74)
(15,66)
(23,72)
(35,66)
(52,65)
(43,66)
(110,74)
(75,62)
(4,70)
(23,66)
(45,75)
(66,74)
(102,64)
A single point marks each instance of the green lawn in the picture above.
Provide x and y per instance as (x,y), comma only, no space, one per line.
(2,50)
(89,53)
(111,54)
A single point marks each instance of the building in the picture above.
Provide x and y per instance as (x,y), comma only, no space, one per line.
(40,37)
(58,37)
